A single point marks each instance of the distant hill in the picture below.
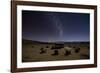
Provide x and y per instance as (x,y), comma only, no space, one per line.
(25,41)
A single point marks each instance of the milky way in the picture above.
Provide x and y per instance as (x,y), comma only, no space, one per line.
(58,24)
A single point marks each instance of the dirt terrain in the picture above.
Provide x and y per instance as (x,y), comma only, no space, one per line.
(34,51)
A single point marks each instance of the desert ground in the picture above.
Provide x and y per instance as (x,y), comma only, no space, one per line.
(33,51)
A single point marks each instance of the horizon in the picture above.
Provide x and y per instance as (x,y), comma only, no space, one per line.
(53,41)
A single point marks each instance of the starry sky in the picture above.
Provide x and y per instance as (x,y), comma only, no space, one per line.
(55,26)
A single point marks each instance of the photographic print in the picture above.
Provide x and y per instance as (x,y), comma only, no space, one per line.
(51,36)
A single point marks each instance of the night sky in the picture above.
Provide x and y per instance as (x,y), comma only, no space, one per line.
(55,26)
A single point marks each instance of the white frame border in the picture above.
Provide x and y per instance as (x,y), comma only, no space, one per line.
(52,63)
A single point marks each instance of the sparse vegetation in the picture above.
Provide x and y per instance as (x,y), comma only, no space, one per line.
(34,51)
